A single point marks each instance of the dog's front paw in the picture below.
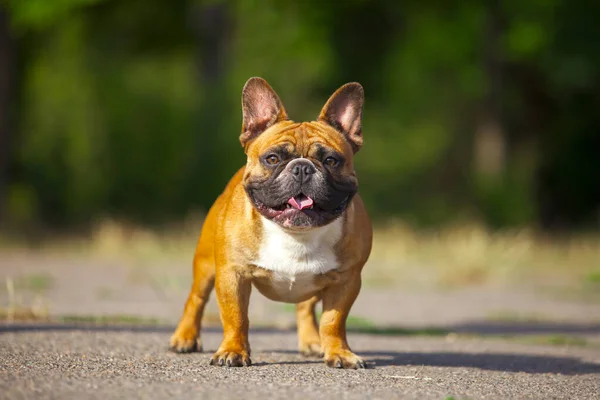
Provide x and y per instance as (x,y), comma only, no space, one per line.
(185,342)
(227,358)
(344,359)
(311,348)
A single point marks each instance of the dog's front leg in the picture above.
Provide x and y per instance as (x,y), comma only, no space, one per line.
(337,301)
(233,289)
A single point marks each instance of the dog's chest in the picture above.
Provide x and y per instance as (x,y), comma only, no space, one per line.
(295,258)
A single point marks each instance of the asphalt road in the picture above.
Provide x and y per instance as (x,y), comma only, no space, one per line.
(69,362)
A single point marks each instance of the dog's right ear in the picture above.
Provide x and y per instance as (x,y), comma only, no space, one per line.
(261,108)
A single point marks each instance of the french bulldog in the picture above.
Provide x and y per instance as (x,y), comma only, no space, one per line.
(291,224)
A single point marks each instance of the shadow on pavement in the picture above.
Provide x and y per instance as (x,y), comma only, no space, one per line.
(533,364)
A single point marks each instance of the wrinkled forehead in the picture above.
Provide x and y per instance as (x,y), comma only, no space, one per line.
(301,139)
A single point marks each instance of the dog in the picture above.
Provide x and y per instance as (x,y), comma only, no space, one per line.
(291,224)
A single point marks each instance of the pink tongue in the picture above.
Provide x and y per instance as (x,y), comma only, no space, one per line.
(301,202)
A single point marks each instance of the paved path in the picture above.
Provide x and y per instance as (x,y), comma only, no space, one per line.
(49,362)
(62,362)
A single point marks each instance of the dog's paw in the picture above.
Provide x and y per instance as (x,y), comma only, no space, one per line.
(344,359)
(311,349)
(225,358)
(185,343)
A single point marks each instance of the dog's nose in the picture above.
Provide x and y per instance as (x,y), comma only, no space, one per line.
(302,170)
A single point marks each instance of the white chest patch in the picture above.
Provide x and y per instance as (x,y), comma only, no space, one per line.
(293,255)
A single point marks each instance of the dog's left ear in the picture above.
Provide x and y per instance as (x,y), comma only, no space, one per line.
(261,108)
(343,111)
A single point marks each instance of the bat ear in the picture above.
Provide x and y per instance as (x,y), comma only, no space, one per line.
(343,111)
(261,108)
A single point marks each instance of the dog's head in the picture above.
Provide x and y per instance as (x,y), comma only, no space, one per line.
(300,175)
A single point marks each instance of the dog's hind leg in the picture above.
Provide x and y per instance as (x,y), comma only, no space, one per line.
(309,342)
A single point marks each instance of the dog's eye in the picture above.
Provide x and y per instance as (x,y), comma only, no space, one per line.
(272,159)
(331,162)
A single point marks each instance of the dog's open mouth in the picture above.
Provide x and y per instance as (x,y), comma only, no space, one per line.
(300,202)
(300,210)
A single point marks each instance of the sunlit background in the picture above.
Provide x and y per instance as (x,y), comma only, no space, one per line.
(119,124)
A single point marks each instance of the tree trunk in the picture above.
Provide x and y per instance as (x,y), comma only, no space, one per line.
(490,138)
(7,63)
(211,25)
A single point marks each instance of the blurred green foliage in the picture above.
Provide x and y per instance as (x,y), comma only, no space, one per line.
(474,110)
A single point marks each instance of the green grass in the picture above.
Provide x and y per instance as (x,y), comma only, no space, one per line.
(593,277)
(397,331)
(552,340)
(356,322)
(34,282)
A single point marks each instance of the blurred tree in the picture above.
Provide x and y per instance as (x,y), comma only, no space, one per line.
(131,109)
(568,185)
(490,140)
(212,29)
(7,78)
